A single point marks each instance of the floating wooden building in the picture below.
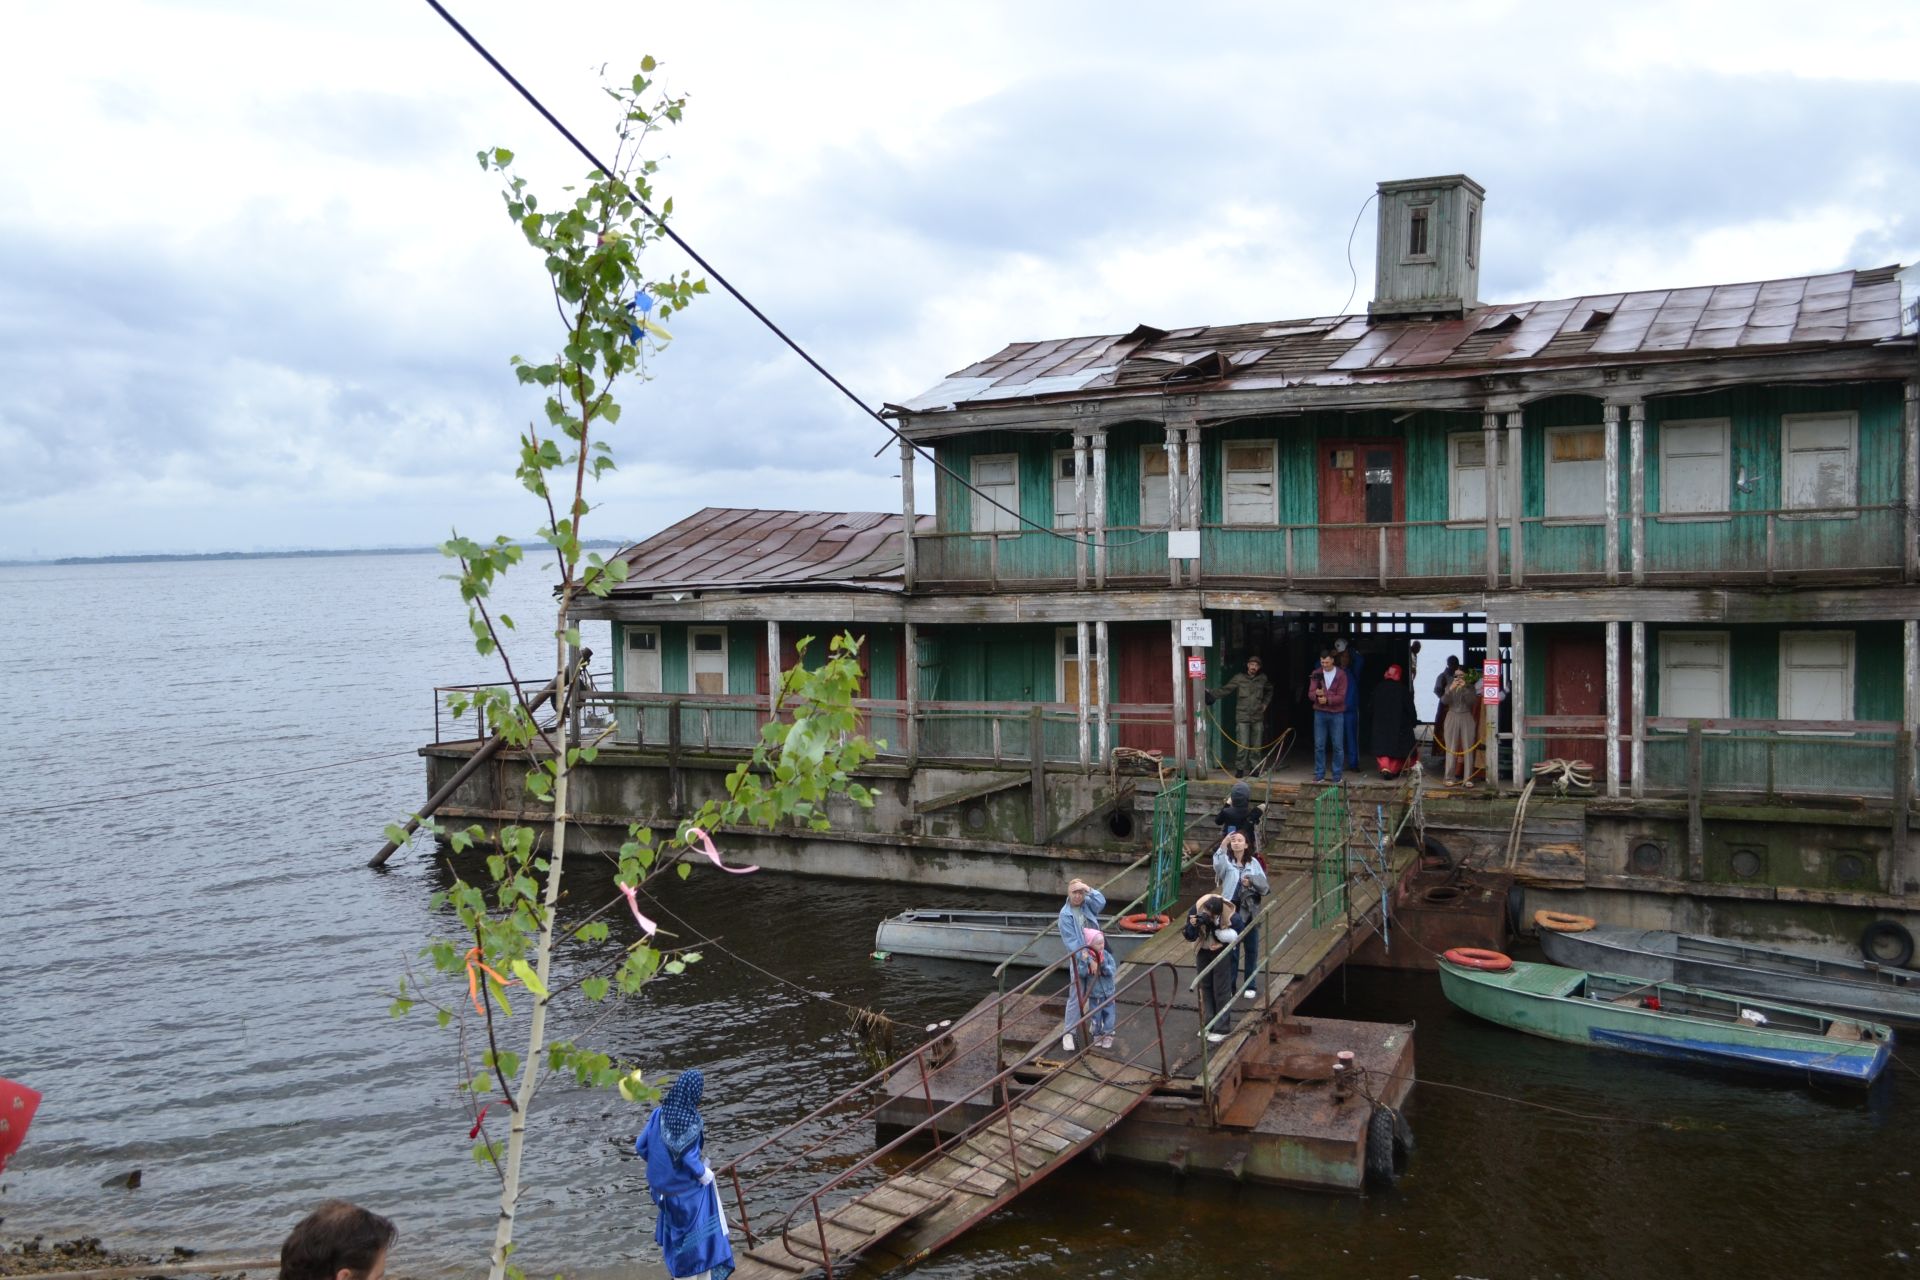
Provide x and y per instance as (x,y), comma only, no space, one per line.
(1678,525)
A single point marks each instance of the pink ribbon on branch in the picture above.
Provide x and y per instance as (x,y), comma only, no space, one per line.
(647,926)
(700,840)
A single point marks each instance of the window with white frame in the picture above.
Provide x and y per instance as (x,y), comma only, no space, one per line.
(1694,466)
(1816,675)
(1250,486)
(1693,675)
(996,480)
(1153,487)
(1576,472)
(1467,476)
(1066,665)
(707,659)
(1066,506)
(1820,464)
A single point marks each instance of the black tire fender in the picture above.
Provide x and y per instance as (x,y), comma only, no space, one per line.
(1387,1148)
(1887,942)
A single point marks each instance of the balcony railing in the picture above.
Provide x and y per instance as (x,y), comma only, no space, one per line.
(973,732)
(1752,546)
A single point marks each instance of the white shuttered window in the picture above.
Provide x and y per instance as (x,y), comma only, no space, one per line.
(1250,485)
(1467,476)
(1816,675)
(1820,467)
(1576,472)
(996,476)
(1693,674)
(1694,466)
(1066,513)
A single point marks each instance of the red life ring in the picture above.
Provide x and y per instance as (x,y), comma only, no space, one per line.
(1141,922)
(1479,958)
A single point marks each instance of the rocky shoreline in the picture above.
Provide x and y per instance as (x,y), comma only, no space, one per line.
(36,1256)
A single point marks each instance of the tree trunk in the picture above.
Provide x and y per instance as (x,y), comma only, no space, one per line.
(542,965)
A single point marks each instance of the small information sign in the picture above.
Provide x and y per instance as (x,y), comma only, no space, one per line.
(1196,667)
(1490,681)
(1196,633)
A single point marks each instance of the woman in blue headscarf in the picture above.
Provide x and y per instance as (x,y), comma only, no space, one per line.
(689,1229)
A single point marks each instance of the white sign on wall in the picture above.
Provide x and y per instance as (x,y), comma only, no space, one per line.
(1196,633)
(1183,544)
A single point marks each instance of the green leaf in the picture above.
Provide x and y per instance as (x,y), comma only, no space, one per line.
(502,156)
(443,1016)
(647,63)
(524,971)
(594,988)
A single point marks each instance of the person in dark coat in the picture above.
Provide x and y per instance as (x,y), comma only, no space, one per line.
(1240,813)
(1393,723)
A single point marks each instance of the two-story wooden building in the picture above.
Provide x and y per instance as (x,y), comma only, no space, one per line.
(1684,520)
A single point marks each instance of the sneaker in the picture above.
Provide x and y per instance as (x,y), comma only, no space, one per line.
(1318,778)
(1215,1037)
(1250,994)
(1103,1042)
(1066,1044)
(1336,777)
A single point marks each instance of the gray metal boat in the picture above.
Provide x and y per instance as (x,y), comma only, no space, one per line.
(987,936)
(1862,989)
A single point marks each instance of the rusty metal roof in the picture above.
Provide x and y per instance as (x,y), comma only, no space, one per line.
(736,547)
(1807,312)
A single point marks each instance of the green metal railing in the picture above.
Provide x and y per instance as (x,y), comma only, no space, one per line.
(1329,855)
(1169,837)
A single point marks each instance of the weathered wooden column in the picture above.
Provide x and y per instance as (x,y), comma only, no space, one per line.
(1179,696)
(1173,504)
(1612,527)
(1611,759)
(1637,497)
(910,657)
(1517,690)
(1638,757)
(1191,490)
(1490,711)
(773,667)
(1907,786)
(1099,534)
(1490,443)
(1910,535)
(906,510)
(1080,665)
(1101,681)
(1080,511)
(1696,823)
(1517,558)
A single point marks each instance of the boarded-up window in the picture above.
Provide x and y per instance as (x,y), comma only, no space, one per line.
(1153,487)
(1694,466)
(1250,490)
(1820,467)
(708,660)
(1816,675)
(1467,476)
(1576,472)
(996,497)
(1066,665)
(1066,507)
(1693,674)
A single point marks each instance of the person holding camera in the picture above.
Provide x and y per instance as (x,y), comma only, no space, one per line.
(1243,882)
(1328,690)
(1213,926)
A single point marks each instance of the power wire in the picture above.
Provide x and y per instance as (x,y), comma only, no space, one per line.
(1351,270)
(746,302)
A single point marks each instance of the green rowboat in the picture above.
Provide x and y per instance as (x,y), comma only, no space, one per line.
(1666,1020)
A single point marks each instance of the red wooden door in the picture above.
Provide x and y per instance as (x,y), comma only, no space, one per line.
(1362,483)
(1576,675)
(1143,662)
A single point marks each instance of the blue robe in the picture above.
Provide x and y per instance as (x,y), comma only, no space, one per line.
(687,1227)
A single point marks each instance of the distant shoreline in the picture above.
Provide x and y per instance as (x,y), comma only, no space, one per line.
(173,557)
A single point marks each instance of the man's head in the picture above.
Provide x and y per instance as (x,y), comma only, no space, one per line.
(1452,661)
(1326,660)
(1253,664)
(338,1241)
(1077,891)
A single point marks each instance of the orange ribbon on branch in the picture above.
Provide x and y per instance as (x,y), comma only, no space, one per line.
(476,967)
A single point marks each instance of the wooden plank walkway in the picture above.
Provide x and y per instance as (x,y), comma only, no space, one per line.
(944,1193)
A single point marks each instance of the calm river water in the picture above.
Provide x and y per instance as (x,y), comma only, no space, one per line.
(197,977)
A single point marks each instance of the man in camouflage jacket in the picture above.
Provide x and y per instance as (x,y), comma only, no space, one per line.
(1251,692)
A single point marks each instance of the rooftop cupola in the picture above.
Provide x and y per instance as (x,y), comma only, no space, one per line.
(1427,263)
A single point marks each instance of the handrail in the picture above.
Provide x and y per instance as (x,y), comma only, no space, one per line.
(998,1081)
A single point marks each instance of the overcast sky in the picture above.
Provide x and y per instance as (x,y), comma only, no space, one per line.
(255,292)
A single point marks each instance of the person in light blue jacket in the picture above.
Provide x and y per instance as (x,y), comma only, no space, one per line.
(1243,882)
(1081,913)
(1095,968)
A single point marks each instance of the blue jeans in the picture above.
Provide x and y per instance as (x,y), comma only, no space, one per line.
(1249,962)
(1352,735)
(1329,739)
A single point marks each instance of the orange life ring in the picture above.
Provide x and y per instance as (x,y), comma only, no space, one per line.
(1562,922)
(1479,958)
(1141,922)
